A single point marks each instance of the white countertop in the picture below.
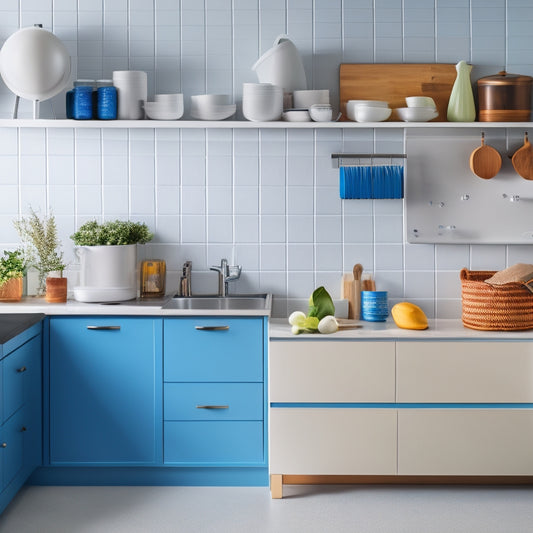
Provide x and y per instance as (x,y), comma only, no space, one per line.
(438,329)
(137,307)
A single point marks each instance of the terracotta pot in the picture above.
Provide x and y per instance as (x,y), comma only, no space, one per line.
(11,291)
(56,290)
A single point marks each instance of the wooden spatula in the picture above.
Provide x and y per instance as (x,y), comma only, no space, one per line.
(357,273)
(523,160)
(485,161)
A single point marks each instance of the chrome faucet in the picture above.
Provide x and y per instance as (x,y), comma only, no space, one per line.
(226,273)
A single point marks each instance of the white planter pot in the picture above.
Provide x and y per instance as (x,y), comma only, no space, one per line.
(107,273)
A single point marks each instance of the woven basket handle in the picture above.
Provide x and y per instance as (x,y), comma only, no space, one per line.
(464,273)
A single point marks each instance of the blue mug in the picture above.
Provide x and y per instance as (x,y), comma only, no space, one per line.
(374,306)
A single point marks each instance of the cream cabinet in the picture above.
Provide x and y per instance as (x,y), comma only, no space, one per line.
(409,408)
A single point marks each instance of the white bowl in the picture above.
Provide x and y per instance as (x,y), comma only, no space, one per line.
(416,114)
(162,111)
(321,112)
(364,113)
(305,99)
(351,105)
(214,112)
(281,65)
(296,115)
(420,101)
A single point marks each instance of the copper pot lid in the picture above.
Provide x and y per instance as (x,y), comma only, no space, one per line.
(505,78)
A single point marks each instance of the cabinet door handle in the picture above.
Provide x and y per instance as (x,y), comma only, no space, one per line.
(4,444)
(212,407)
(212,328)
(23,429)
(22,369)
(103,328)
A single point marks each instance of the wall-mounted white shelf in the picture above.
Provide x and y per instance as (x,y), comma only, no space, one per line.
(245,124)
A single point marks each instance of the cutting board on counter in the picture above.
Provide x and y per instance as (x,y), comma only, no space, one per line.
(392,82)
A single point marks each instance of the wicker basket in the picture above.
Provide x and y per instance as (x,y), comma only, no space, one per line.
(506,307)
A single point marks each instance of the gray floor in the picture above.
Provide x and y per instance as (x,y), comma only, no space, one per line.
(309,509)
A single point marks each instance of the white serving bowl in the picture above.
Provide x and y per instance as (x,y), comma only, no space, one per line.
(420,101)
(296,115)
(321,112)
(305,99)
(163,111)
(416,114)
(351,105)
(214,112)
(364,113)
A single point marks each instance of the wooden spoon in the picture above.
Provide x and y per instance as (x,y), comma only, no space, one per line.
(357,273)
(485,161)
(523,160)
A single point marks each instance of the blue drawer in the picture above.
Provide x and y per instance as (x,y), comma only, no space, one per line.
(19,367)
(213,401)
(194,352)
(213,443)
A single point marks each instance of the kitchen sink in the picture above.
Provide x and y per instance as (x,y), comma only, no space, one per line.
(232,302)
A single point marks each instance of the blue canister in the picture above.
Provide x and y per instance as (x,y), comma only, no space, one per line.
(374,306)
(106,107)
(69,97)
(82,105)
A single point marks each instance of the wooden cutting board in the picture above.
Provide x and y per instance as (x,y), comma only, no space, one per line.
(392,82)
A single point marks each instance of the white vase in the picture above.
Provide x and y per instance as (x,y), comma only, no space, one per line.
(461,107)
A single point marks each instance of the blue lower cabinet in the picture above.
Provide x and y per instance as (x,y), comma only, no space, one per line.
(20,410)
(215,443)
(105,391)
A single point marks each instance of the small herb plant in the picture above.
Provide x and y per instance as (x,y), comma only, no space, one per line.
(41,245)
(12,266)
(116,232)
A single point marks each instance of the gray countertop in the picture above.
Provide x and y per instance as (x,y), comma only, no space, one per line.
(13,324)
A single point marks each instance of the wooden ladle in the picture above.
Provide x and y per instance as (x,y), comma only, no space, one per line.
(485,161)
(523,160)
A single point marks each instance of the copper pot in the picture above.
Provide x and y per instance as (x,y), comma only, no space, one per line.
(504,97)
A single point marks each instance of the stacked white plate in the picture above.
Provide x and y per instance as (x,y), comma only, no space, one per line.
(262,102)
(132,90)
(212,106)
(165,107)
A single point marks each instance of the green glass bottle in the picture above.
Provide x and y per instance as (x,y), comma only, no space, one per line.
(461,107)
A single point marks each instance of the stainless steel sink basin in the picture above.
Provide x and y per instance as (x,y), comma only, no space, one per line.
(233,302)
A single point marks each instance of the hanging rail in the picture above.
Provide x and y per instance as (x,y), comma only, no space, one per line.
(350,160)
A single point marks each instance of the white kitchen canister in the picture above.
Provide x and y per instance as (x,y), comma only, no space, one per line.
(107,273)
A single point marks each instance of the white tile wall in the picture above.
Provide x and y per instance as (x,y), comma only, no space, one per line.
(266,199)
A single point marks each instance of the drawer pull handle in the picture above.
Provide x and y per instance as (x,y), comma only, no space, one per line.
(212,407)
(103,328)
(212,328)
(22,369)
(4,444)
(23,429)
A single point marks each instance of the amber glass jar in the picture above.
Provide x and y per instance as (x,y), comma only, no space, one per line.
(504,97)
(153,274)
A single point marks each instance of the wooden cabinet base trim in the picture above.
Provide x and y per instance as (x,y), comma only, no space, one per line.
(278,480)
(406,480)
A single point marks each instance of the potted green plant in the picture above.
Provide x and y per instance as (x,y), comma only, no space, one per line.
(12,270)
(41,247)
(108,259)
